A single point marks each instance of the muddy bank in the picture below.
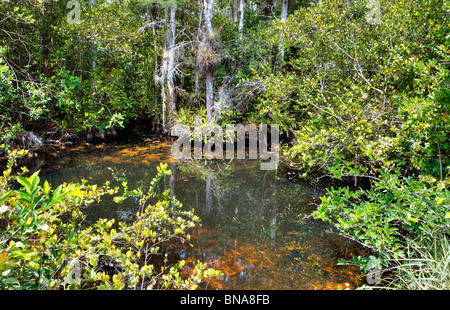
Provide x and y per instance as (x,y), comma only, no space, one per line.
(45,143)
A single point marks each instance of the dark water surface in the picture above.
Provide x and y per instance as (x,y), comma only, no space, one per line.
(253,222)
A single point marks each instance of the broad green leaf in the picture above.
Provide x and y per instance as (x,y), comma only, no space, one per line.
(24,182)
(37,201)
(55,197)
(24,195)
(34,180)
(5,196)
(27,254)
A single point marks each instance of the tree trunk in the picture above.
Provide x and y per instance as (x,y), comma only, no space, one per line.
(168,69)
(209,97)
(284,10)
(171,65)
(162,79)
(284,14)
(241,19)
(209,8)
(94,57)
(46,40)
(197,67)
(197,79)
(235,10)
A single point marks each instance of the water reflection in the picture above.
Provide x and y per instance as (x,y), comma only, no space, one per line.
(255,224)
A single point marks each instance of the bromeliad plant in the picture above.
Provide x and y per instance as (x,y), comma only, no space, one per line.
(45,242)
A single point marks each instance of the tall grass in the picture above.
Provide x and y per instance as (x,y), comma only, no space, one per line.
(424,268)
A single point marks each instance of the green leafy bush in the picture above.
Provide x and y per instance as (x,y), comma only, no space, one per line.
(373,100)
(45,242)
(392,214)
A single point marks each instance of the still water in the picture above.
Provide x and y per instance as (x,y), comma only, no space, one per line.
(254,224)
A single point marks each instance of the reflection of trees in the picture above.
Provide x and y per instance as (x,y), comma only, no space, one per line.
(240,197)
(248,217)
(173,177)
(214,175)
(208,194)
(247,214)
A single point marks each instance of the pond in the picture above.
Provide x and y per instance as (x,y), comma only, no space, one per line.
(255,226)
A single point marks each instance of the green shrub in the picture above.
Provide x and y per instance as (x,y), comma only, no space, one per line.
(45,242)
(394,213)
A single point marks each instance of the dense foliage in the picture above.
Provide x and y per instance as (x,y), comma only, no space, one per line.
(361,94)
(374,100)
(46,241)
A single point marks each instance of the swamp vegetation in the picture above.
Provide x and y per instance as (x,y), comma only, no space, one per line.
(360,92)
